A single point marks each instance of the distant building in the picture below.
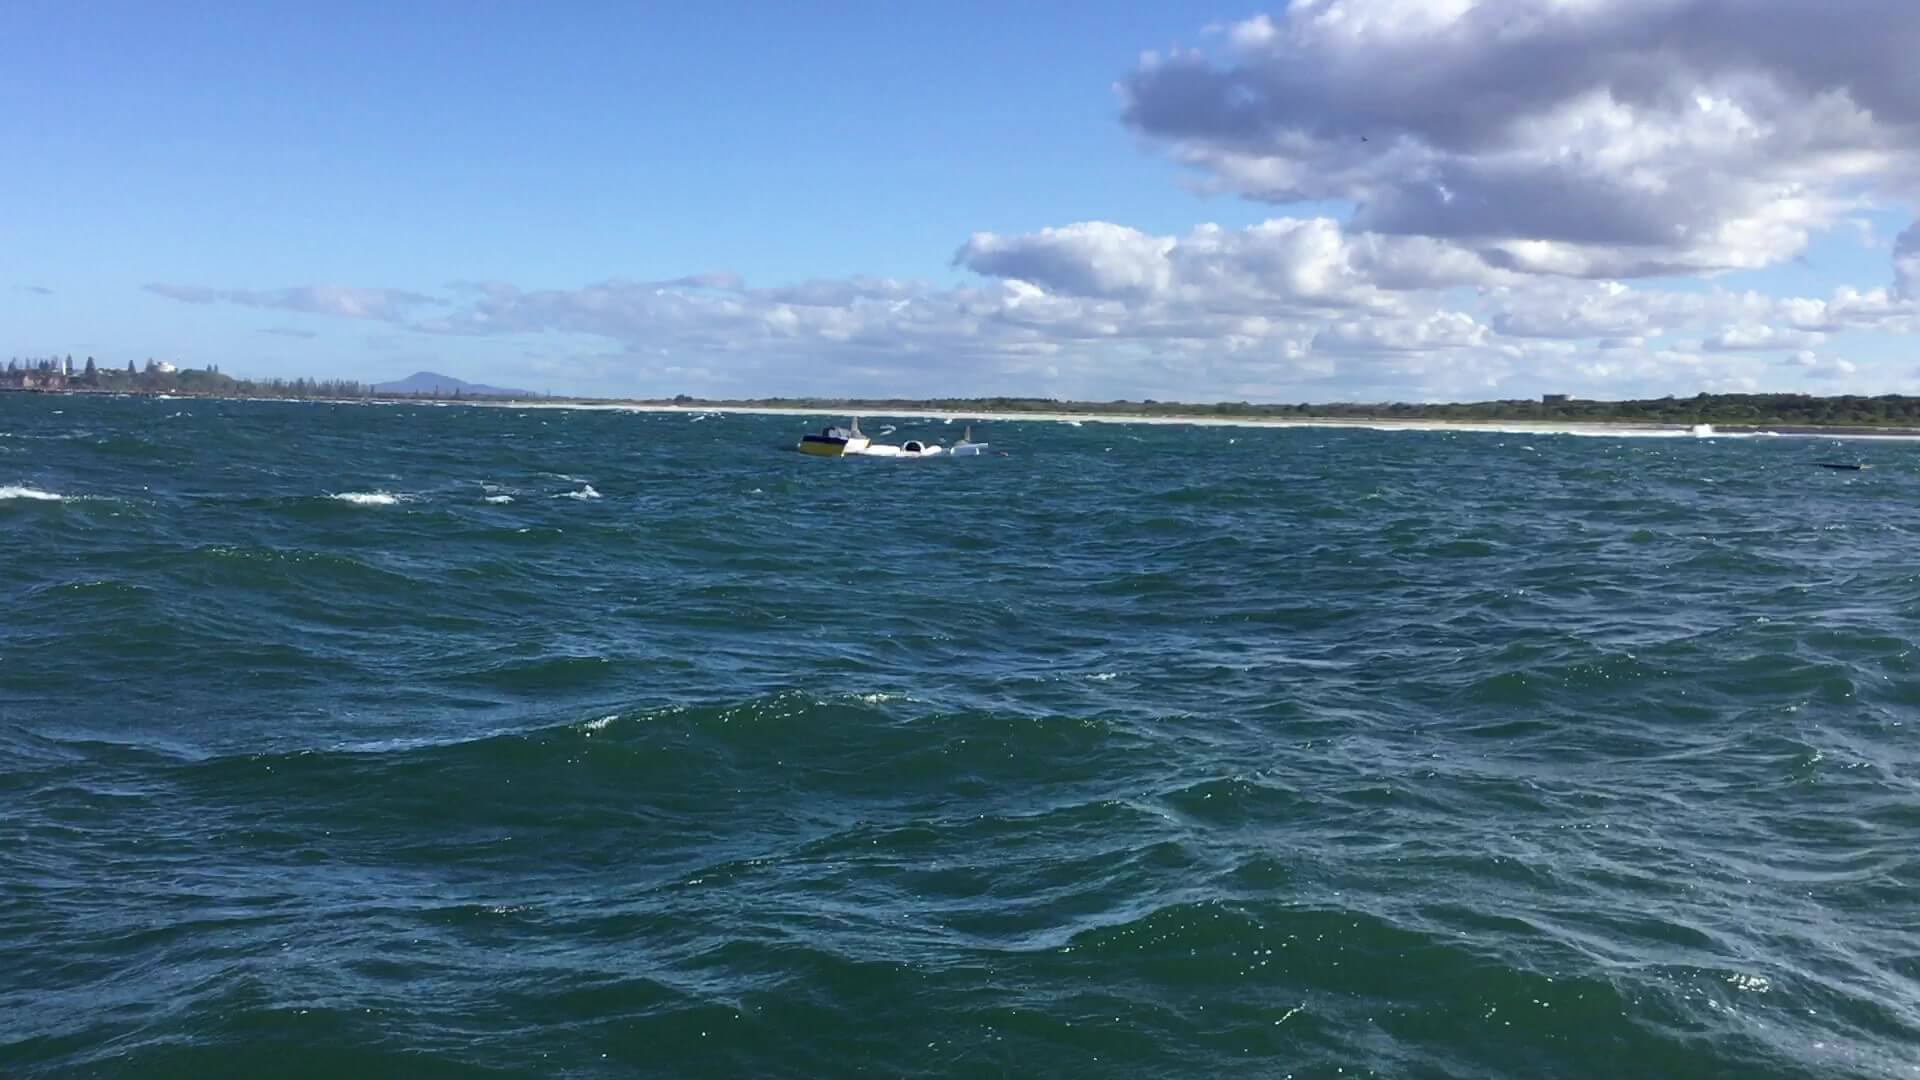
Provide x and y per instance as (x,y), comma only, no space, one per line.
(165,368)
(50,377)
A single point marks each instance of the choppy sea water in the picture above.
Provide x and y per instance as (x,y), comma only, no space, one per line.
(418,741)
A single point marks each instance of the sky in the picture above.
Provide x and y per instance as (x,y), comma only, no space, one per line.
(1324,200)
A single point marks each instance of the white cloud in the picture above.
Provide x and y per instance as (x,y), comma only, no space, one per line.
(1754,337)
(1586,310)
(1509,196)
(1092,258)
(1440,330)
(1816,366)
(1596,138)
(1230,313)
(1282,264)
(341,300)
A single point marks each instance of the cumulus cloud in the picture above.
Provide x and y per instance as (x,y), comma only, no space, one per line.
(1440,330)
(1816,366)
(1279,264)
(1612,138)
(1598,310)
(1215,322)
(1092,258)
(1752,337)
(1503,194)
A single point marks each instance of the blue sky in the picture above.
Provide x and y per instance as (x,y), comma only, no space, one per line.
(248,150)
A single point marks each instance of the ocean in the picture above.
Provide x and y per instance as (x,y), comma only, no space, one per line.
(345,740)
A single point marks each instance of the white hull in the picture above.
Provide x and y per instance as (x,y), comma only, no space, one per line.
(886,451)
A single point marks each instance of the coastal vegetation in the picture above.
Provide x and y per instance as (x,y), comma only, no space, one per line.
(64,374)
(1724,410)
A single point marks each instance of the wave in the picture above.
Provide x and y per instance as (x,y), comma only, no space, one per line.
(368,498)
(17,491)
(800,728)
(499,500)
(585,492)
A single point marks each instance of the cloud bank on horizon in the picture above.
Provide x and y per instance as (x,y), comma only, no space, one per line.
(1469,199)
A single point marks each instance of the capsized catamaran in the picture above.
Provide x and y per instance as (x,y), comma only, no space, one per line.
(849,441)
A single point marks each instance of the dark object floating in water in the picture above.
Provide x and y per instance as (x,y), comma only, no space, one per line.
(1841,465)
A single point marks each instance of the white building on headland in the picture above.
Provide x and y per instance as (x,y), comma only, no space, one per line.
(165,368)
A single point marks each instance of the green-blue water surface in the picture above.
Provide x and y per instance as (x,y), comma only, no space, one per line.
(415,741)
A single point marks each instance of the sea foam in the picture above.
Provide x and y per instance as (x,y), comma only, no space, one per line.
(367,498)
(15,491)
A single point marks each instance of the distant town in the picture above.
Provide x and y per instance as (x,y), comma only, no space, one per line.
(64,374)
(1779,412)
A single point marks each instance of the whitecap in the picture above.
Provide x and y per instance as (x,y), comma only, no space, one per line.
(367,498)
(585,492)
(14,491)
(601,724)
(1104,676)
(500,500)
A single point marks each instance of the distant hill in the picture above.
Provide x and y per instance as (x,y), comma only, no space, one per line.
(427,382)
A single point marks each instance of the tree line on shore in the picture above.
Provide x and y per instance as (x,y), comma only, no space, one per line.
(1736,410)
(1730,410)
(161,377)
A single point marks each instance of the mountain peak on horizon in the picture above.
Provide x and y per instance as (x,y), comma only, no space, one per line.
(430,382)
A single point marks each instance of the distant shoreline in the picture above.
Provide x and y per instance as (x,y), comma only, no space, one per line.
(876,411)
(1066,416)
(1379,423)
